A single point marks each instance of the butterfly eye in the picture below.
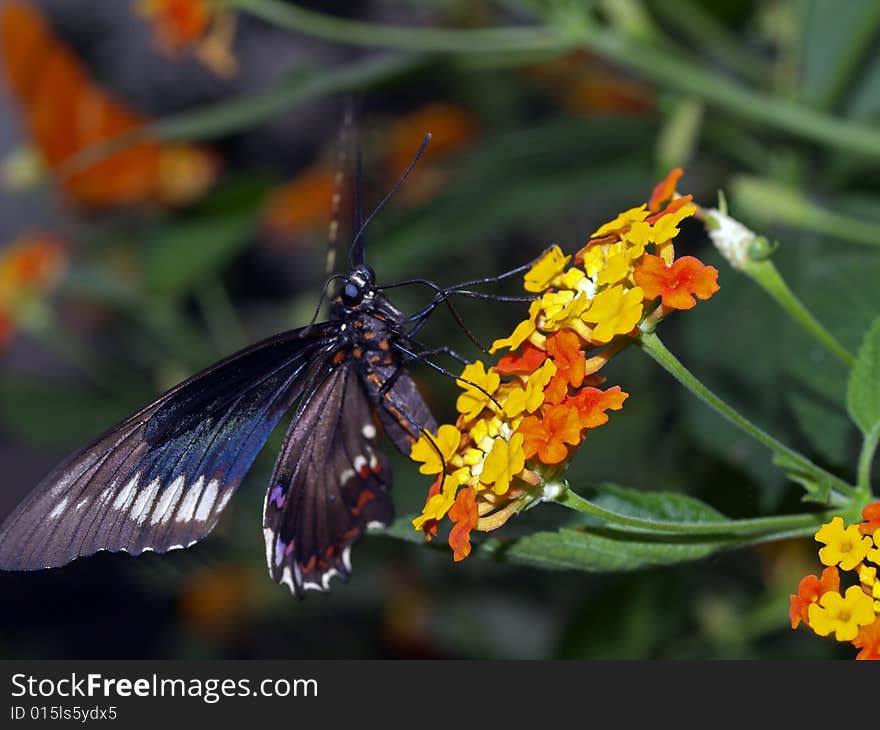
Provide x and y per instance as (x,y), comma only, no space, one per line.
(352,294)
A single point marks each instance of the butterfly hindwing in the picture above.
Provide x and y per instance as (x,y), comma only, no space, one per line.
(402,410)
(329,485)
(160,479)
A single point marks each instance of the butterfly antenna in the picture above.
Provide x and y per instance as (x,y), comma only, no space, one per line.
(358,254)
(323,296)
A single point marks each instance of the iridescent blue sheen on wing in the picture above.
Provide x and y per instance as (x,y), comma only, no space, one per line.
(161,479)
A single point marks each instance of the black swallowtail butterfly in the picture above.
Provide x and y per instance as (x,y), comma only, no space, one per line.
(160,480)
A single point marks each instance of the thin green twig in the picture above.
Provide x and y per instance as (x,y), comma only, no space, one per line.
(750,526)
(657,64)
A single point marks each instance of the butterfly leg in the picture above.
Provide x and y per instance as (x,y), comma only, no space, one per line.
(445,350)
(396,410)
(410,355)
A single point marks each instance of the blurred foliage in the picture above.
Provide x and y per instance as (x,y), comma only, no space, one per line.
(775,103)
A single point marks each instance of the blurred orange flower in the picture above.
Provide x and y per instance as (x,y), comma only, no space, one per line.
(66,113)
(200,25)
(301,205)
(453,129)
(585,85)
(30,267)
(218,601)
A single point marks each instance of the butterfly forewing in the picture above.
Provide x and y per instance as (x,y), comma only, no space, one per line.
(329,484)
(160,479)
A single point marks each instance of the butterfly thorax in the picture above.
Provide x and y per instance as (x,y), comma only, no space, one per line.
(370,322)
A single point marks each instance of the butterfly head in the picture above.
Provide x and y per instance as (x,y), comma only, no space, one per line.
(358,286)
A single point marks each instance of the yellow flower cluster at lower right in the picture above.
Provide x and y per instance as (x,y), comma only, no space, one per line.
(853,614)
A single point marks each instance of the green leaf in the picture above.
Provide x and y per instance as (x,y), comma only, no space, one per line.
(818,491)
(600,550)
(863,392)
(185,254)
(661,506)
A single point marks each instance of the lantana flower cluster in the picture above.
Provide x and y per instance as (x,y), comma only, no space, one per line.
(845,599)
(521,420)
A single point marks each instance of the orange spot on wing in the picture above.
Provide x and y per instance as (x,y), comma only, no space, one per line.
(364,498)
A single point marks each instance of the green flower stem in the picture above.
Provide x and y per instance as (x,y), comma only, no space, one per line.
(527,39)
(657,64)
(766,275)
(652,345)
(866,460)
(752,526)
(773,202)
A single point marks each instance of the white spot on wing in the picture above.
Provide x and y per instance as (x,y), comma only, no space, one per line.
(124,496)
(208,498)
(140,510)
(369,431)
(359,463)
(327,576)
(59,509)
(224,498)
(346,475)
(346,558)
(188,506)
(169,496)
(287,579)
(375,525)
(269,538)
